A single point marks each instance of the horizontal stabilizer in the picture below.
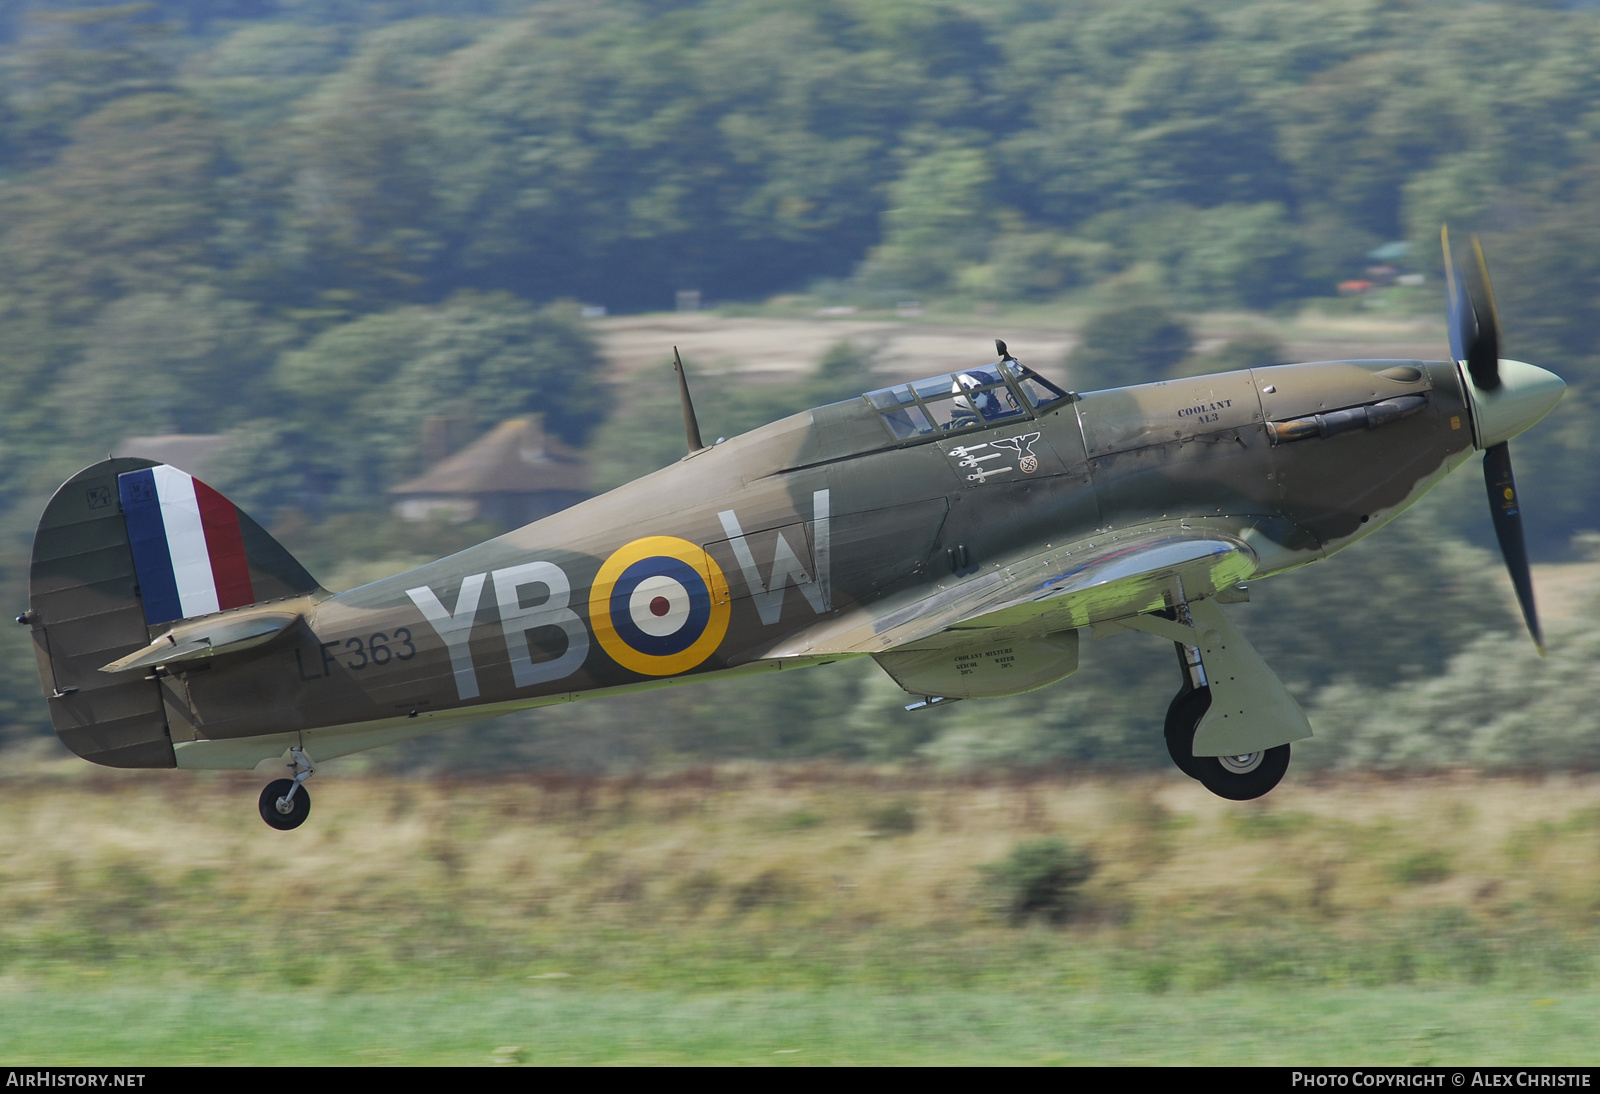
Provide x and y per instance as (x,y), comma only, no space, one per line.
(206,638)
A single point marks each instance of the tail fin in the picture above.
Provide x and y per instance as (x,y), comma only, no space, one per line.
(125,548)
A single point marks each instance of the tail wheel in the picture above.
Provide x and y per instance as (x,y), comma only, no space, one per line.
(299,805)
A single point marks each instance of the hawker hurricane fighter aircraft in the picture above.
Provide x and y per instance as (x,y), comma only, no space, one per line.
(962,530)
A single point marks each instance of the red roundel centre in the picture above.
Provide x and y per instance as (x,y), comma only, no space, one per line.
(659,606)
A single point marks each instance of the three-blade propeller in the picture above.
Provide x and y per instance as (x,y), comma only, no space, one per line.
(1475,340)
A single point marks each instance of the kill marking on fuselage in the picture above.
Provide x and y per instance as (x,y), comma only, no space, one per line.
(1021,444)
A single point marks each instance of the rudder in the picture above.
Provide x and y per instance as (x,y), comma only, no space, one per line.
(124,548)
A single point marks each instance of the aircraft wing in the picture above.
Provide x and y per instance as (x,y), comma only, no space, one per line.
(1105,577)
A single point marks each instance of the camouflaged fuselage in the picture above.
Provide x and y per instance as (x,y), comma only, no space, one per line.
(809,523)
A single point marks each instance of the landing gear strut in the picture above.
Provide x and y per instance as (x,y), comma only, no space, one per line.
(1237,778)
(285,803)
(1189,705)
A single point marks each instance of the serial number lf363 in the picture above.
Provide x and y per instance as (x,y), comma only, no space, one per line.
(962,530)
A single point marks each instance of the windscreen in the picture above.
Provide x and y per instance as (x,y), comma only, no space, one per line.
(969,399)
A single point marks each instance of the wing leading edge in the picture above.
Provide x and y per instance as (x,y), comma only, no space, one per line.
(945,641)
(1111,576)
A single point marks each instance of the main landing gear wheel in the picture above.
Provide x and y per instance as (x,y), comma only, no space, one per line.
(1237,778)
(272,805)
(1242,778)
(1183,716)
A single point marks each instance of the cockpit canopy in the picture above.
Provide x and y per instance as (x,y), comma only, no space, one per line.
(967,399)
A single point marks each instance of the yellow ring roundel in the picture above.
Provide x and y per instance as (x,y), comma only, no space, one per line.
(659,606)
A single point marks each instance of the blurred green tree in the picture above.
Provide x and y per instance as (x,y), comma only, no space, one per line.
(1127,344)
(157,363)
(938,220)
(352,402)
(1254,350)
(130,205)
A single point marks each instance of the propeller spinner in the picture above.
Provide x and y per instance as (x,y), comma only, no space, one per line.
(1507,397)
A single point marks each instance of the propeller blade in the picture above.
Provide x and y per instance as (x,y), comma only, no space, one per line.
(1458,309)
(1506,512)
(1474,325)
(1483,352)
(1470,315)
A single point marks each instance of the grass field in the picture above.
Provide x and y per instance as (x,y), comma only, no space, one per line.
(509,1025)
(795,915)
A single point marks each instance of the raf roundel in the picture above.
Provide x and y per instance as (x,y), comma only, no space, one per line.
(659,606)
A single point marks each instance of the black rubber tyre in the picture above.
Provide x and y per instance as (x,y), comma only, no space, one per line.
(1183,716)
(1242,778)
(269,805)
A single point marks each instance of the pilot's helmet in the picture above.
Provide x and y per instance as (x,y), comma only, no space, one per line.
(967,383)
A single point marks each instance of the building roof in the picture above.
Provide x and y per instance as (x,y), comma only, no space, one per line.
(515,457)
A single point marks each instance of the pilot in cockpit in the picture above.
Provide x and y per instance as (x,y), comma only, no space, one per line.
(987,403)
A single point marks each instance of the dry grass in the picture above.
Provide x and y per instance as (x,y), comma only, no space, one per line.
(782,914)
(720,873)
(572,844)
